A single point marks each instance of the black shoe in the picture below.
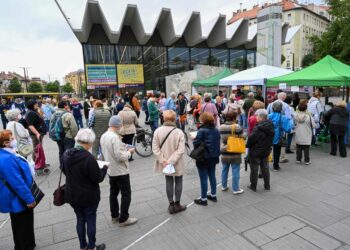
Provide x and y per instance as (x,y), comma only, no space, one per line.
(212,198)
(201,202)
(260,176)
(267,188)
(251,188)
(334,154)
(289,152)
(131,159)
(101,247)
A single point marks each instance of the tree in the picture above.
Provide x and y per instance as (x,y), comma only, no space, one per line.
(308,60)
(336,40)
(52,87)
(14,87)
(67,88)
(35,87)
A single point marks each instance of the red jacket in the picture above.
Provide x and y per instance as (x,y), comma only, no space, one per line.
(251,123)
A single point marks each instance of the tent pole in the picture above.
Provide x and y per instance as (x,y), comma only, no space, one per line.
(265,90)
(347,94)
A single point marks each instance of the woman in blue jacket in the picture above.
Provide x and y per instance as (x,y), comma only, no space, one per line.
(15,171)
(282,125)
(206,168)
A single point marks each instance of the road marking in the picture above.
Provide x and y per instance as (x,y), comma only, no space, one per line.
(3,224)
(145,235)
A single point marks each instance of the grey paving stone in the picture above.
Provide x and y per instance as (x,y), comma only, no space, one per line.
(307,196)
(341,201)
(319,239)
(281,227)
(244,219)
(290,242)
(321,214)
(345,179)
(257,237)
(332,187)
(339,231)
(236,242)
(345,247)
(277,206)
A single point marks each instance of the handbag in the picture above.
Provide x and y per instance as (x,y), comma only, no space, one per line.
(199,152)
(23,147)
(58,194)
(282,141)
(40,159)
(235,144)
(34,189)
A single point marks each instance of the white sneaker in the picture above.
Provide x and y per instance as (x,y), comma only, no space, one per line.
(238,191)
(128,222)
(224,188)
(307,163)
(298,162)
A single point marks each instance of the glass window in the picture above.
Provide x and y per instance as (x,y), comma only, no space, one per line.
(155,67)
(179,60)
(219,57)
(99,54)
(289,17)
(199,56)
(237,59)
(129,54)
(251,59)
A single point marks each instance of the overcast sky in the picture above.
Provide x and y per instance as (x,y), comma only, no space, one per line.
(34,33)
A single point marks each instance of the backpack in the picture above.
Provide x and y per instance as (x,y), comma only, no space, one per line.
(57,132)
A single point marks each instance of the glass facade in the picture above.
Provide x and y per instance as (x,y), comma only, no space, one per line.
(159,62)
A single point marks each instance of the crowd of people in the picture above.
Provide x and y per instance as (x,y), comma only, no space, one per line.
(229,130)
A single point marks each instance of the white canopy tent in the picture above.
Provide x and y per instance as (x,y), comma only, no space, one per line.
(254,76)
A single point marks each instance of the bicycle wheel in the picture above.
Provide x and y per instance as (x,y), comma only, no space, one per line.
(144,148)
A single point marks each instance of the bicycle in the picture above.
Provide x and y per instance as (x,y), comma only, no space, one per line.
(143,142)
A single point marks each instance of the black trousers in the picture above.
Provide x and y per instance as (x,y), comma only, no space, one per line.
(23,229)
(306,149)
(276,156)
(63,145)
(127,139)
(120,184)
(255,163)
(338,139)
(137,114)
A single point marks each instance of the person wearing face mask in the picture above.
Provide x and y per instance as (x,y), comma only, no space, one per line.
(83,176)
(15,172)
(20,133)
(117,154)
(69,125)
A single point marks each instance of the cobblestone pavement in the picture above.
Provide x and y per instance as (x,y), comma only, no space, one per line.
(308,207)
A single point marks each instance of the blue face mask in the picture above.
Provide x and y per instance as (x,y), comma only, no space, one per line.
(13,144)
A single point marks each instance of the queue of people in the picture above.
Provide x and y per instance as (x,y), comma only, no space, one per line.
(219,121)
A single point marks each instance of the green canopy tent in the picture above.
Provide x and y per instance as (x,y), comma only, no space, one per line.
(213,81)
(328,72)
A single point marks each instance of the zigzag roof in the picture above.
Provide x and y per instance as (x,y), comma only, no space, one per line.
(213,33)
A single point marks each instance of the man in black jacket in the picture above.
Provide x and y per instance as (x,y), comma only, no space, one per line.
(259,144)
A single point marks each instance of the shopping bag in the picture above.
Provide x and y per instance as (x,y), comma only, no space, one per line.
(235,144)
(40,160)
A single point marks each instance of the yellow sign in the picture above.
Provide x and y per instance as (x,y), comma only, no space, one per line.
(130,74)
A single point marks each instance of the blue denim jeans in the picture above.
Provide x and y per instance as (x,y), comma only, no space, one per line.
(204,173)
(47,124)
(86,224)
(236,167)
(79,121)
(154,125)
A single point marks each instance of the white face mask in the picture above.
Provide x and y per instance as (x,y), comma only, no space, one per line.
(13,144)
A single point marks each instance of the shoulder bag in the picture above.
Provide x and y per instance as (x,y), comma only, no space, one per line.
(24,148)
(58,195)
(282,142)
(34,189)
(235,144)
(198,153)
(166,137)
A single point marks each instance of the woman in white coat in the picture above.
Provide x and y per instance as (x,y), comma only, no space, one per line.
(304,126)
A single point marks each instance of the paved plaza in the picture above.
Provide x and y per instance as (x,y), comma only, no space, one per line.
(308,207)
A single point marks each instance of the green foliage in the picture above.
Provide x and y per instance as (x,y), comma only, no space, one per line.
(14,87)
(308,60)
(336,40)
(15,80)
(67,88)
(35,87)
(52,87)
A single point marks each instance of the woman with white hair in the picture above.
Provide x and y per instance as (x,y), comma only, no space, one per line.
(82,192)
(19,132)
